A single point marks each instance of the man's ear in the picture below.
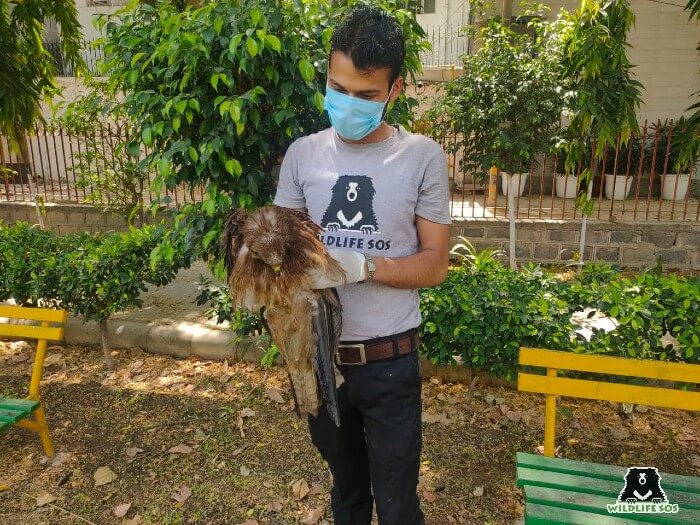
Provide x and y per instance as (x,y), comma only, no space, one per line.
(397,88)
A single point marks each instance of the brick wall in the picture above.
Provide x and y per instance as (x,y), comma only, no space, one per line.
(65,218)
(636,245)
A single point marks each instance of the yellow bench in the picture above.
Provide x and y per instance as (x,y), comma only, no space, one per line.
(17,411)
(559,491)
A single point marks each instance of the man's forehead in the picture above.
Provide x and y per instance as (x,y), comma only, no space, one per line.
(342,71)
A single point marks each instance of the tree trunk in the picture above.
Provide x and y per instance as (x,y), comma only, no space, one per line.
(511,220)
(105,345)
(24,154)
(584,222)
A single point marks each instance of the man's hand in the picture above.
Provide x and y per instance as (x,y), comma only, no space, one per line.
(352,263)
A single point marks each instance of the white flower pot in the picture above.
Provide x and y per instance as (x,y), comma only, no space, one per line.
(519,180)
(622,186)
(566,185)
(669,186)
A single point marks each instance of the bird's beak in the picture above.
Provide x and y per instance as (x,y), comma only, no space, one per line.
(277,268)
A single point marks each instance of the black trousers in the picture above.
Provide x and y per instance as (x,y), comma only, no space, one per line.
(375,453)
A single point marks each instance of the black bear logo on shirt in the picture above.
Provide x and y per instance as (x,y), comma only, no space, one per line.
(351,207)
(642,484)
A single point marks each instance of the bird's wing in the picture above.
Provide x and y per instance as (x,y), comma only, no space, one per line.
(232,237)
(305,221)
(326,328)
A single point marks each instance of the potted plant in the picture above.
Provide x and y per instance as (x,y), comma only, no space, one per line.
(674,171)
(565,184)
(620,163)
(504,110)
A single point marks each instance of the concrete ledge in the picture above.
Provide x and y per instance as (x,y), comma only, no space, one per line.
(185,339)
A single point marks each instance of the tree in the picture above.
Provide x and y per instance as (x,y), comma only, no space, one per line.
(606,95)
(218,93)
(27,69)
(506,107)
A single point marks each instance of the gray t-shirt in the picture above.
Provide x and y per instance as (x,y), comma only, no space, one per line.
(366,198)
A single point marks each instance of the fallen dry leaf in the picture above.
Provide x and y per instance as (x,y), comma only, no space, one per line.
(300,489)
(120,510)
(247,412)
(54,359)
(428,495)
(478,491)
(45,499)
(180,449)
(275,394)
(132,451)
(4,487)
(245,471)
(316,488)
(275,506)
(435,418)
(181,495)
(313,516)
(104,475)
(250,522)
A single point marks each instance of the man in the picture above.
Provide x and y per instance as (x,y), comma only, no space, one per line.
(381,195)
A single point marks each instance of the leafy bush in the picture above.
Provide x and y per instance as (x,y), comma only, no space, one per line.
(484,312)
(88,274)
(218,93)
(506,108)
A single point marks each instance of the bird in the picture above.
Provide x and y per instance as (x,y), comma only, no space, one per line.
(270,255)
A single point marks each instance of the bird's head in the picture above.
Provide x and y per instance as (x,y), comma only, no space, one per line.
(269,249)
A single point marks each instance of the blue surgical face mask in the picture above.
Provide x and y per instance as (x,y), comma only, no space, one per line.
(353,118)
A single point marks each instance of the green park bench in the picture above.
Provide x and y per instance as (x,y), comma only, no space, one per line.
(18,411)
(564,491)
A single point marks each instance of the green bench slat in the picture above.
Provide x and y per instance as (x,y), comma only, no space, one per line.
(543,515)
(587,485)
(12,416)
(18,404)
(4,425)
(601,471)
(595,504)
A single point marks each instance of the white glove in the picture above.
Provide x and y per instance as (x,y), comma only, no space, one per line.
(352,263)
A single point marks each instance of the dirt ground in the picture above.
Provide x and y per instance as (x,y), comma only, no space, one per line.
(167,441)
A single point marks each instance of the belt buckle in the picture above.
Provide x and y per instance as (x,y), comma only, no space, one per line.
(361,350)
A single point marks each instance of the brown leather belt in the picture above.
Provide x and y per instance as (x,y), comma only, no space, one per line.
(361,352)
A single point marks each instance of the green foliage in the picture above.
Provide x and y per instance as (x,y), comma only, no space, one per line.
(506,107)
(623,158)
(107,274)
(483,312)
(219,92)
(606,95)
(91,275)
(28,258)
(27,70)
(668,140)
(114,180)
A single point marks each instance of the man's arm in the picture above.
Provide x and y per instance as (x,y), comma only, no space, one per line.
(426,268)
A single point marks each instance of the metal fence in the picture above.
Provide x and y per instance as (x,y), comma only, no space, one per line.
(652,194)
(90,51)
(448,42)
(51,168)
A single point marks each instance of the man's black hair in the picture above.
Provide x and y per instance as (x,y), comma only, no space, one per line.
(372,38)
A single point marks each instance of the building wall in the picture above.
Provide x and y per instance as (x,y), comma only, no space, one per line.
(663,47)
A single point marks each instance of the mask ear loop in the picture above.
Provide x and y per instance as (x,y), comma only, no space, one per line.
(386,102)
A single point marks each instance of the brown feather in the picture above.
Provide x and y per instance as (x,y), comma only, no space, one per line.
(253,244)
